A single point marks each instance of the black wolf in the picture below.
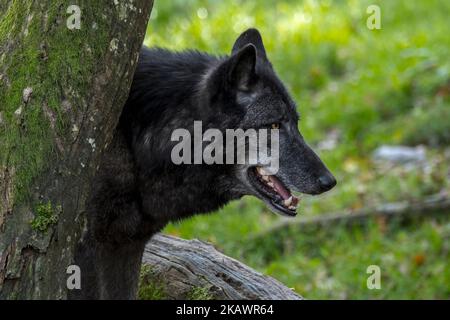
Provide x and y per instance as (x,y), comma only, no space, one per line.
(138,189)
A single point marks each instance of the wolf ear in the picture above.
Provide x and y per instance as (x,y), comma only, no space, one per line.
(250,36)
(241,72)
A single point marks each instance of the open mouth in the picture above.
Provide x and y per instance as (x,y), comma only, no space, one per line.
(273,191)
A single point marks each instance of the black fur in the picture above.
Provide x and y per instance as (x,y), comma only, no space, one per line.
(138,189)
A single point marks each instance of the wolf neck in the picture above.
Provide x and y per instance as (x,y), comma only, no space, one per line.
(168,93)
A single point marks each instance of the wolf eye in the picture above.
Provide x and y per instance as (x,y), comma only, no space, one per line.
(275,126)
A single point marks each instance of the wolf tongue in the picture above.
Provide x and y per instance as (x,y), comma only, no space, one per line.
(279,187)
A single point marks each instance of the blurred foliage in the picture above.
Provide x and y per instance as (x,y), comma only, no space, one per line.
(356,89)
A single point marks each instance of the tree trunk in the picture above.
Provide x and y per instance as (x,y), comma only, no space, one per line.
(174,268)
(61,92)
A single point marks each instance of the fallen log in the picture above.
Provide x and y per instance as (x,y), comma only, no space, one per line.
(192,269)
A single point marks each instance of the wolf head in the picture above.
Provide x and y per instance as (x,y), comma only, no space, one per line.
(245,92)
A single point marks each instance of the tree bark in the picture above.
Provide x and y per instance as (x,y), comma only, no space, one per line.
(182,269)
(61,94)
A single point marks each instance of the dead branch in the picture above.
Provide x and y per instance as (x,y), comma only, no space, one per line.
(433,205)
(182,266)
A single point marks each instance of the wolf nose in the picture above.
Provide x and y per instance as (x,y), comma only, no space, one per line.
(327,181)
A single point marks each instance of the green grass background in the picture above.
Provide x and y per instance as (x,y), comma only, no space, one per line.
(367,88)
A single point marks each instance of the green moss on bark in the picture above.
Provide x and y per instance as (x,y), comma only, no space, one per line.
(46,215)
(150,288)
(199,293)
(41,54)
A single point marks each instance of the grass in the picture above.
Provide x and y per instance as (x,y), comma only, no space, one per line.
(332,264)
(363,87)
